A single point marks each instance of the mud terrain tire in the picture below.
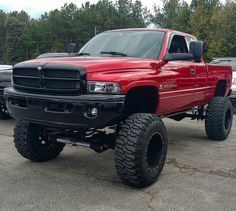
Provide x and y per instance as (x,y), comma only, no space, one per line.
(141,149)
(33,144)
(219,118)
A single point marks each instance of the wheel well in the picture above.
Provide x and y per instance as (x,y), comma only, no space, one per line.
(141,100)
(220,88)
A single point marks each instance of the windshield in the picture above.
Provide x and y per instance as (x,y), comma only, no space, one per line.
(231,63)
(141,44)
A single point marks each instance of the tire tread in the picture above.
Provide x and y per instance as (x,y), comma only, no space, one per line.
(129,146)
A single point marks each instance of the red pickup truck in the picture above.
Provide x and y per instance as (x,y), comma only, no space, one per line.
(114,93)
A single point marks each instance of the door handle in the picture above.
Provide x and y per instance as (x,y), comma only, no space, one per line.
(193,71)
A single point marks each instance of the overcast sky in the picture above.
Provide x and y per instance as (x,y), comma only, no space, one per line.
(37,7)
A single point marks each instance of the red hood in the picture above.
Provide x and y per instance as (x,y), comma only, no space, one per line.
(94,64)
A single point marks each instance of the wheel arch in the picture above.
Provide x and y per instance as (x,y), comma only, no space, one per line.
(147,95)
(221,88)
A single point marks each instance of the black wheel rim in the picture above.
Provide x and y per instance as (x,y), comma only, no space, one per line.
(44,141)
(154,150)
(3,109)
(228,119)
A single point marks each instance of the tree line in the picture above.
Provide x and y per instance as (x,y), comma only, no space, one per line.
(22,37)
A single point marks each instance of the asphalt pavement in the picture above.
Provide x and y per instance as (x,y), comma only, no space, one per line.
(199,174)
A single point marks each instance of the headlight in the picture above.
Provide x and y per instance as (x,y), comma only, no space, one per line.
(103,87)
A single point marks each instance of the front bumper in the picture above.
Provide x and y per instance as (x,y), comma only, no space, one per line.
(64,111)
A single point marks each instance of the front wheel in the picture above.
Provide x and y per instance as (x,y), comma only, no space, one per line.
(141,149)
(34,144)
(219,118)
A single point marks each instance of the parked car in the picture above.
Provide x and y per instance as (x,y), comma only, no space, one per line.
(231,61)
(124,80)
(5,81)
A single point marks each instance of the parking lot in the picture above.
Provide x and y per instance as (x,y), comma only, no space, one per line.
(199,174)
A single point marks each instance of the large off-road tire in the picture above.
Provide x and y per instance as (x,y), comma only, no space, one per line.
(219,118)
(140,150)
(34,144)
(4,112)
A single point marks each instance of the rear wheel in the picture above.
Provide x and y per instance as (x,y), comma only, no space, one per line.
(34,144)
(141,149)
(219,118)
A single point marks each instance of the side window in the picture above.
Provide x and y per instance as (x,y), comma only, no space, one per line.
(178,45)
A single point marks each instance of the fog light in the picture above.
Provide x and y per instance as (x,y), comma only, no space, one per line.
(93,111)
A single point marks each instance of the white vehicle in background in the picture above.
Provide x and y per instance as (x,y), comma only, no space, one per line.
(5,81)
(231,61)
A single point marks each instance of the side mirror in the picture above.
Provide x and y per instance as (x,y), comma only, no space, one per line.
(72,48)
(196,49)
(178,56)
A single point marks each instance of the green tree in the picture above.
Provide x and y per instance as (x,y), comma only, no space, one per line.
(221,40)
(23,38)
(174,14)
(166,16)
(3,17)
(200,23)
(14,48)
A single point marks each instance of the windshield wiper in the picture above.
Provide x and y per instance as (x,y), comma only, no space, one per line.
(113,53)
(84,54)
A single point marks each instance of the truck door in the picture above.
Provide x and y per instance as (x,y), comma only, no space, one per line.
(178,80)
(200,80)
(200,83)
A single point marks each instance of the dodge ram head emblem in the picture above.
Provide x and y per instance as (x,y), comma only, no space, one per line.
(39,68)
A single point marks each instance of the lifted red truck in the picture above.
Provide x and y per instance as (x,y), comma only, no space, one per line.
(114,93)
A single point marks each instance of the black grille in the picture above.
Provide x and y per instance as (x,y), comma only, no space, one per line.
(54,84)
(61,73)
(26,72)
(50,80)
(27,82)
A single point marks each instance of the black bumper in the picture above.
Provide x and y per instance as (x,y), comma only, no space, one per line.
(64,111)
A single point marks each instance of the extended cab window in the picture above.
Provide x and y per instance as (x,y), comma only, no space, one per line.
(140,44)
(178,45)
